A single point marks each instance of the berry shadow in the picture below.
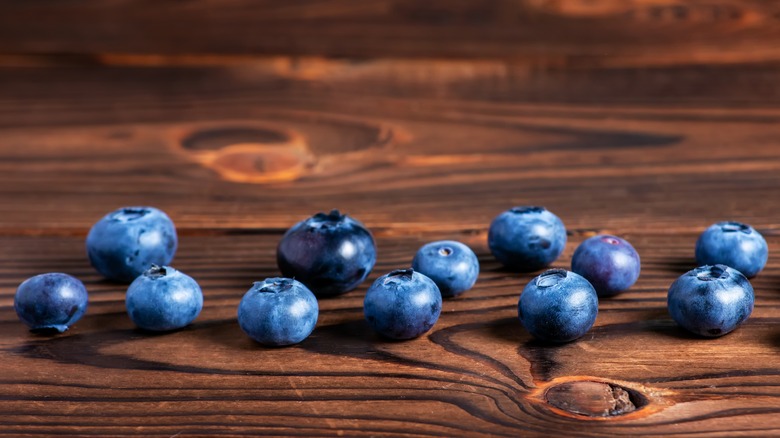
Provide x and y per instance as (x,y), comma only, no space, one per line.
(225,333)
(670,329)
(46,332)
(508,329)
(678,265)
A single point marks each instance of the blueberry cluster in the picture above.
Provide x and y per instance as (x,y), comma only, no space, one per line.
(330,254)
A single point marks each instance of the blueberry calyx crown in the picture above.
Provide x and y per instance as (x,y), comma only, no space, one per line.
(527,209)
(731,226)
(445,251)
(610,240)
(551,277)
(400,274)
(157,271)
(130,214)
(711,273)
(326,220)
(274,285)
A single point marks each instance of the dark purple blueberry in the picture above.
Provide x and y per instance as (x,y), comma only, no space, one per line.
(330,253)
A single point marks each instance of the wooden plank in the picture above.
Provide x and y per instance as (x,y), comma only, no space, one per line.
(418,150)
(478,372)
(567,32)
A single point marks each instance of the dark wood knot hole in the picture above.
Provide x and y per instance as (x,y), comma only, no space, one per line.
(595,399)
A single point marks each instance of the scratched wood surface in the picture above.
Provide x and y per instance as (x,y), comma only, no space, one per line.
(647,119)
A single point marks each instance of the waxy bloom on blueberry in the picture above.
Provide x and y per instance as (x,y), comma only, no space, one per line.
(163,299)
(403,304)
(127,242)
(50,301)
(733,244)
(558,306)
(526,239)
(452,265)
(329,253)
(609,263)
(710,300)
(278,312)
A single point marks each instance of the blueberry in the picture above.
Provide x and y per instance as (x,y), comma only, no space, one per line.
(609,263)
(50,301)
(558,306)
(330,253)
(452,265)
(710,300)
(733,244)
(126,242)
(278,311)
(402,304)
(163,299)
(526,239)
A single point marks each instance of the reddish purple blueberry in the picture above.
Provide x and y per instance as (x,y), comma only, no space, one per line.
(609,263)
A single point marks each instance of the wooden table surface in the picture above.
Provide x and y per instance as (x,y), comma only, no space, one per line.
(647,119)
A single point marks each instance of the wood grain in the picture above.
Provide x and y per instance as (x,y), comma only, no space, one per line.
(648,119)
(569,32)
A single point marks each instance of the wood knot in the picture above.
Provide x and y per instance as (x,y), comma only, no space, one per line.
(254,155)
(286,149)
(593,399)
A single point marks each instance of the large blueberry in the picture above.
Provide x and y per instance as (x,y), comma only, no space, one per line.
(51,301)
(733,244)
(609,263)
(126,242)
(452,265)
(278,311)
(330,253)
(710,300)
(163,299)
(526,239)
(558,306)
(402,304)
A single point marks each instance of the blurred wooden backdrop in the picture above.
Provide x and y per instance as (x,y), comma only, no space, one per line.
(649,119)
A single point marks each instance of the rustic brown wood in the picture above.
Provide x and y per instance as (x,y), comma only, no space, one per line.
(558,31)
(647,119)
